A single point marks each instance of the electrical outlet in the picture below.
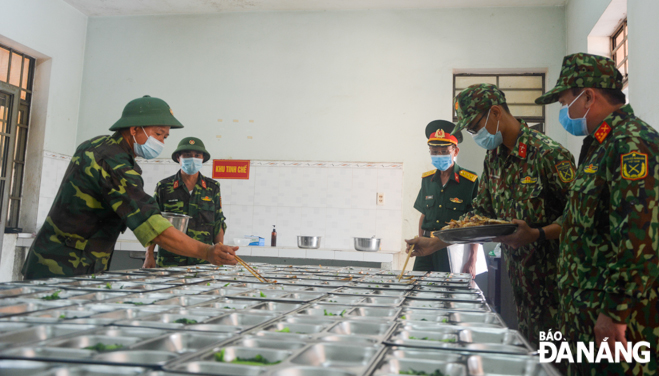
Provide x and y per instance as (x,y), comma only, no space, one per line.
(379,201)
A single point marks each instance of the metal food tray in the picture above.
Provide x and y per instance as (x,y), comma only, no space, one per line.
(479,306)
(395,360)
(478,339)
(353,312)
(19,367)
(425,316)
(452,296)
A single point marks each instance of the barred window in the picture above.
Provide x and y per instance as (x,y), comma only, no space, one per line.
(619,49)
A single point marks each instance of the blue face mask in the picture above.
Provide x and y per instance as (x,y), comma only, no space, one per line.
(150,149)
(576,127)
(191,165)
(485,139)
(442,162)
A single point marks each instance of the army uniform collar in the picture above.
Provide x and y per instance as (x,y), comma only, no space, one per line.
(454,176)
(521,147)
(178,180)
(121,141)
(612,121)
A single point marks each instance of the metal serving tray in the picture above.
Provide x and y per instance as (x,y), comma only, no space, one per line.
(446,304)
(39,333)
(495,340)
(431,317)
(456,297)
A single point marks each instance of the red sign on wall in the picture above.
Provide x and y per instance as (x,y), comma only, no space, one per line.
(230,169)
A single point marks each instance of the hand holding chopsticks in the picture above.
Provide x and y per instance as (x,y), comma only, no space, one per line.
(251,270)
(406,260)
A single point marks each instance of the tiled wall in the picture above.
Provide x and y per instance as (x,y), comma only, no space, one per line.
(334,200)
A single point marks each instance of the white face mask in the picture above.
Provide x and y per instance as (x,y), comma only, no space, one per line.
(150,149)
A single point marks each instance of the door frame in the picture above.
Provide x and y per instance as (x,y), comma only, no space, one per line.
(14,93)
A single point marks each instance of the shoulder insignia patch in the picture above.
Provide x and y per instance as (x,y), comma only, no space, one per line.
(591,169)
(565,171)
(468,175)
(522,150)
(634,165)
(428,173)
(456,200)
(176,184)
(602,132)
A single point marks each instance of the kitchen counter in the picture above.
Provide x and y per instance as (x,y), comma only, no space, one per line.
(388,259)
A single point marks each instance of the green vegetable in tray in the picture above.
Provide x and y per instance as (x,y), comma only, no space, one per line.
(438,340)
(262,294)
(444,320)
(108,285)
(185,321)
(258,360)
(53,296)
(285,330)
(227,284)
(403,317)
(93,276)
(343,313)
(424,320)
(134,303)
(421,373)
(101,347)
(62,316)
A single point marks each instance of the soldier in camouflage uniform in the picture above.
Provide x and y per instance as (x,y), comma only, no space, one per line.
(102,194)
(609,265)
(189,192)
(526,177)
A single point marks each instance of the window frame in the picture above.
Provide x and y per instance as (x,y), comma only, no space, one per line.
(540,121)
(616,48)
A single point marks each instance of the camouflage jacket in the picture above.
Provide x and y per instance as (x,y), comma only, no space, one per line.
(611,223)
(439,204)
(204,205)
(529,182)
(102,192)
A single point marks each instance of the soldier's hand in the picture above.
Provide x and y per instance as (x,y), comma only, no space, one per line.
(606,328)
(423,246)
(470,267)
(220,254)
(522,236)
(149,262)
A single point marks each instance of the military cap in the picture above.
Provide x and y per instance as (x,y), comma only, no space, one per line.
(190,144)
(584,70)
(474,100)
(145,112)
(438,133)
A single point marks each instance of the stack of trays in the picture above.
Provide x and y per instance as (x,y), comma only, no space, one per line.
(208,320)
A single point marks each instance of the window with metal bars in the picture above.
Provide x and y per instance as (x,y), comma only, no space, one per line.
(619,48)
(521,90)
(17,71)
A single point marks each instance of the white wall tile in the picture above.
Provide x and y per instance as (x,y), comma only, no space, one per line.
(363,222)
(242,192)
(266,185)
(291,182)
(339,187)
(288,226)
(389,229)
(312,222)
(265,251)
(264,218)
(337,232)
(313,187)
(378,257)
(364,187)
(390,183)
(320,254)
(239,221)
(349,256)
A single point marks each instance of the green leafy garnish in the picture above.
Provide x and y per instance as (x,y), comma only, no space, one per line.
(134,303)
(62,316)
(342,313)
(285,330)
(108,285)
(53,296)
(258,360)
(444,320)
(403,317)
(93,276)
(101,347)
(227,284)
(208,284)
(262,294)
(424,320)
(185,321)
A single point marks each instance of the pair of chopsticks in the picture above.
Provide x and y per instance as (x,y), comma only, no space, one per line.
(251,270)
(406,260)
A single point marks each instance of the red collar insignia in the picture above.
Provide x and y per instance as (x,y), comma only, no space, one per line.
(203,183)
(522,150)
(602,132)
(176,184)
(457,179)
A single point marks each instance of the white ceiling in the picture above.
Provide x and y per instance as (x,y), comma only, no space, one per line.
(104,8)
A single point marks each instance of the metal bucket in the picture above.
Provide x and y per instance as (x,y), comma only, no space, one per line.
(180,221)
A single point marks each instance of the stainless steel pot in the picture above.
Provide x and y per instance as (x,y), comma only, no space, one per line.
(367,244)
(312,242)
(180,221)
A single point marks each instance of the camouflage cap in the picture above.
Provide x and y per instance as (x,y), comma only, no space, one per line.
(474,100)
(584,70)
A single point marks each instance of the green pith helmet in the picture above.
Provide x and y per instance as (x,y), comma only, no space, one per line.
(190,144)
(146,112)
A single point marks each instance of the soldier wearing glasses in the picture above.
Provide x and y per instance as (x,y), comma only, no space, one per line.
(446,193)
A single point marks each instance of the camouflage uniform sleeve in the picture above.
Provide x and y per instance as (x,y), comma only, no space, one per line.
(220,219)
(123,190)
(634,229)
(482,203)
(156,196)
(558,166)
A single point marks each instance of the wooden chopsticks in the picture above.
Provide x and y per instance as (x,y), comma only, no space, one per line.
(251,270)
(406,260)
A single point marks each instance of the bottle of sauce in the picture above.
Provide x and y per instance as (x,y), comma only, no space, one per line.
(273,237)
